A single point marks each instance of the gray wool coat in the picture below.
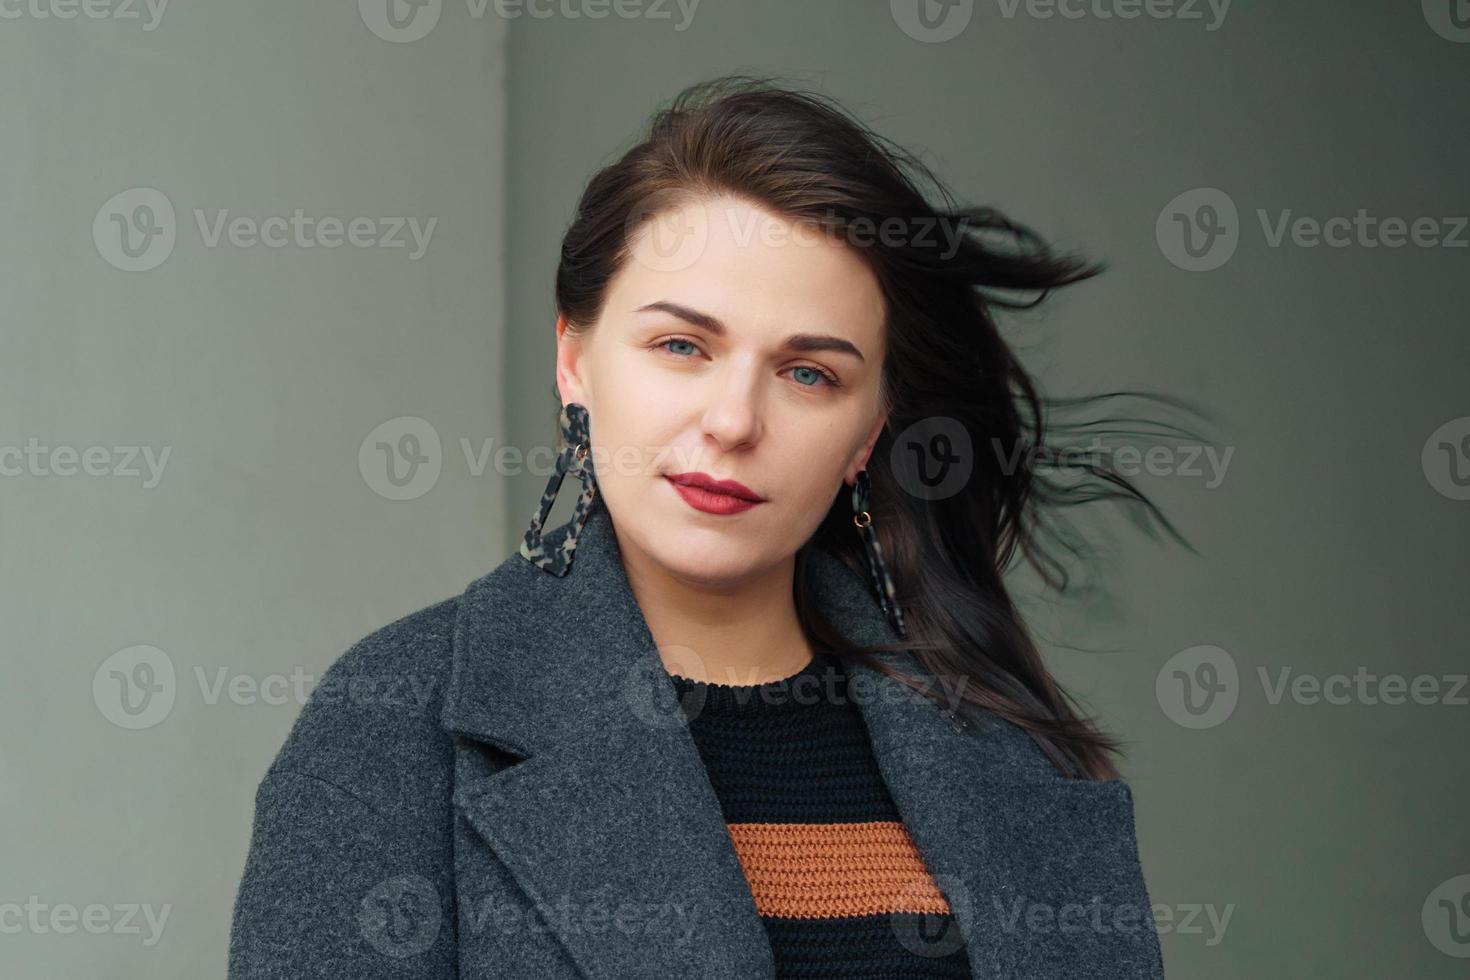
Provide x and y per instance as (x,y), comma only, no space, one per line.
(502,785)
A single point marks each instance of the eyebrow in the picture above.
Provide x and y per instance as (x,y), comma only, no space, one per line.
(802,342)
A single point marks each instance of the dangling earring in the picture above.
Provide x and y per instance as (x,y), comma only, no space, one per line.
(862,519)
(575,458)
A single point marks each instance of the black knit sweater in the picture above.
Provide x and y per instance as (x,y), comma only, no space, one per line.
(839,885)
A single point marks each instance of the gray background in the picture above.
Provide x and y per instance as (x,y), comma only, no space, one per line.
(1329,547)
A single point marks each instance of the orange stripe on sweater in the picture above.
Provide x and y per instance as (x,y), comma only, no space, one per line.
(825,870)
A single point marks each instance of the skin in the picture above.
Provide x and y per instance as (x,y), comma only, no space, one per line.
(665,395)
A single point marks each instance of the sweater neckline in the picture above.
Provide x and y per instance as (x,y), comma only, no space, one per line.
(809,686)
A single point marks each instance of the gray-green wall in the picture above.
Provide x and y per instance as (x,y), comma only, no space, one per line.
(269,538)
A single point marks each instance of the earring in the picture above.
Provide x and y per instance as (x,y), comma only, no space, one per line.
(862,519)
(575,458)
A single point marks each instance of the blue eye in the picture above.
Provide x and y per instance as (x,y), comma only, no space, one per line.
(813,376)
(810,379)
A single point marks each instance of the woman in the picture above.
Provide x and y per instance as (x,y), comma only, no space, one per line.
(762,707)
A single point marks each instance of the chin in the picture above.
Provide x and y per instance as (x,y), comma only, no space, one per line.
(692,546)
(703,555)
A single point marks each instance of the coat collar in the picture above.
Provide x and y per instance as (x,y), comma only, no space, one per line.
(535,655)
(611,802)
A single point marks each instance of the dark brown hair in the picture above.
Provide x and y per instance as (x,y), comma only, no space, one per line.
(801,156)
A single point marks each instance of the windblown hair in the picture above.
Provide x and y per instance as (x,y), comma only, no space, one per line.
(803,157)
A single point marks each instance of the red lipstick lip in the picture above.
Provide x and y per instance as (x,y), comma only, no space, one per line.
(732,488)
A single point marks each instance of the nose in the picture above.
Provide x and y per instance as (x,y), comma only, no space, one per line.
(733,417)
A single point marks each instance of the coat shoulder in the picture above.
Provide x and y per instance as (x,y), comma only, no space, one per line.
(1014,754)
(353,817)
(371,724)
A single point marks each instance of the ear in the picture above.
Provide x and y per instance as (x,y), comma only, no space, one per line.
(569,350)
(865,451)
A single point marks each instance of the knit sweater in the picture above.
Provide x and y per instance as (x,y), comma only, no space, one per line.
(839,885)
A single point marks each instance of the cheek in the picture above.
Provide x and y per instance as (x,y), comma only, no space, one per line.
(633,432)
(640,412)
(811,467)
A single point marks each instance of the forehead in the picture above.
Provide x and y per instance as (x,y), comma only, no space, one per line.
(757,271)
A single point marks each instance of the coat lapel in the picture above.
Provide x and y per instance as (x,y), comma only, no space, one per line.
(609,824)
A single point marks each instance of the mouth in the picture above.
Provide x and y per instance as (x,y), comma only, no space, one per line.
(721,498)
(708,484)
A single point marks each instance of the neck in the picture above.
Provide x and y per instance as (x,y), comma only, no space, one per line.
(744,632)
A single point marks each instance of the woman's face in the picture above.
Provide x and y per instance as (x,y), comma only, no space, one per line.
(737,344)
